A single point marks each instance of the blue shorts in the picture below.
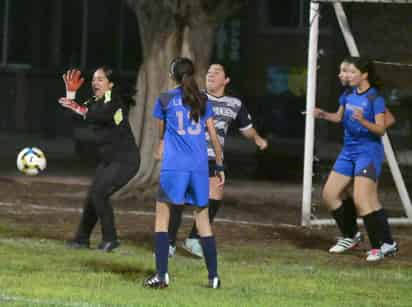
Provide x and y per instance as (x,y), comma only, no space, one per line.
(184,187)
(366,162)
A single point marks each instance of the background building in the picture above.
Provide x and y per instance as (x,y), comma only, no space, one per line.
(265,46)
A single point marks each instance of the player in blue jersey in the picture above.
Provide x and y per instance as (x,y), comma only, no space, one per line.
(227,109)
(346,215)
(362,111)
(183,115)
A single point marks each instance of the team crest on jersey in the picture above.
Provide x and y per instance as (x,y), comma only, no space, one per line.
(118,117)
(353,107)
(107,96)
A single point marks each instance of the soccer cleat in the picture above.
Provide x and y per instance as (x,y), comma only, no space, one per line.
(214,283)
(108,246)
(345,244)
(194,247)
(375,254)
(389,249)
(172,251)
(156,283)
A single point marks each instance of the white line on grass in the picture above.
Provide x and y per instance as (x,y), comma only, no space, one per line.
(145,213)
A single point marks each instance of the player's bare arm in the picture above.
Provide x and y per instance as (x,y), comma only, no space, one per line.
(218,150)
(252,134)
(331,117)
(158,153)
(390,119)
(377,128)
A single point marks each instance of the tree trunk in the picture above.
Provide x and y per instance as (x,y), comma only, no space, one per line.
(168,29)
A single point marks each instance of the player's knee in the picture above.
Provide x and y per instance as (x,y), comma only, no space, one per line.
(330,198)
(366,204)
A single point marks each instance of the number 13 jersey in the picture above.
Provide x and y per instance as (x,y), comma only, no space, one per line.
(185,145)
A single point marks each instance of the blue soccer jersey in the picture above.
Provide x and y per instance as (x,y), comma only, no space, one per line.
(345,93)
(371,104)
(362,152)
(185,146)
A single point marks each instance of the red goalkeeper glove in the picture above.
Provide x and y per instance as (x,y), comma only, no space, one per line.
(74,106)
(73,82)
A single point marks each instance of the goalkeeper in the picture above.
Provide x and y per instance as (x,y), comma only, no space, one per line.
(107,113)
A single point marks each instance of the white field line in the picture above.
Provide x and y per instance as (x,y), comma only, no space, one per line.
(142,213)
(39,302)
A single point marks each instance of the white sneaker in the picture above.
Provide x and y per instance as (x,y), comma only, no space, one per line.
(155,282)
(375,254)
(194,247)
(389,249)
(214,283)
(345,244)
(172,251)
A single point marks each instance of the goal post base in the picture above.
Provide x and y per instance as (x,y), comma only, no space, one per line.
(330,222)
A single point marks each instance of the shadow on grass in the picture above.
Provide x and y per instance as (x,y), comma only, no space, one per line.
(128,272)
(306,238)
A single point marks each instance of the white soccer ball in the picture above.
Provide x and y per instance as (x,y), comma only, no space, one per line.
(31,161)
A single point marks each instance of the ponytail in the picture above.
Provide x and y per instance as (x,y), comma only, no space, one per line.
(193,97)
(182,70)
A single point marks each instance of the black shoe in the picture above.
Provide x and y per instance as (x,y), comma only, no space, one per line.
(108,246)
(77,245)
(214,283)
(156,283)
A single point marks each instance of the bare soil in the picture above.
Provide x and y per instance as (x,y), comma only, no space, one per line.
(254,213)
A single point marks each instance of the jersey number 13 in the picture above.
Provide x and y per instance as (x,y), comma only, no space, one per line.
(193,129)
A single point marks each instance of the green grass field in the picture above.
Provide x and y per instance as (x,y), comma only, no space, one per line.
(42,272)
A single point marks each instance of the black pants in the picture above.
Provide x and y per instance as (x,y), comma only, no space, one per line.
(109,178)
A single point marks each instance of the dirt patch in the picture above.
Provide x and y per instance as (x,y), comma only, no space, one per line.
(250,215)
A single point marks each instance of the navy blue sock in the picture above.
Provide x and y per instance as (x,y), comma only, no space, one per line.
(374,229)
(162,253)
(350,215)
(210,253)
(339,216)
(386,229)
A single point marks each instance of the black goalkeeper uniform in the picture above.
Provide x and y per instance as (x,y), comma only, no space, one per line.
(108,117)
(118,162)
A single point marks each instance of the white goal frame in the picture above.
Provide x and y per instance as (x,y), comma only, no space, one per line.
(307,219)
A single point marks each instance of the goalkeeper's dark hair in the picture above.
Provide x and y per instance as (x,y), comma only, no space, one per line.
(366,65)
(182,71)
(125,91)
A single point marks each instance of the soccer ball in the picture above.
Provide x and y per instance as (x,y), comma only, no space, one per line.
(31,161)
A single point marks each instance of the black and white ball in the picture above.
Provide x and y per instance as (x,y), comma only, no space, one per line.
(31,161)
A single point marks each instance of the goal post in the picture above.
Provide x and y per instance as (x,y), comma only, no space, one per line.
(306,219)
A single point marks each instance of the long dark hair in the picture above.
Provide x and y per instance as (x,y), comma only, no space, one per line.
(366,65)
(124,90)
(183,70)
